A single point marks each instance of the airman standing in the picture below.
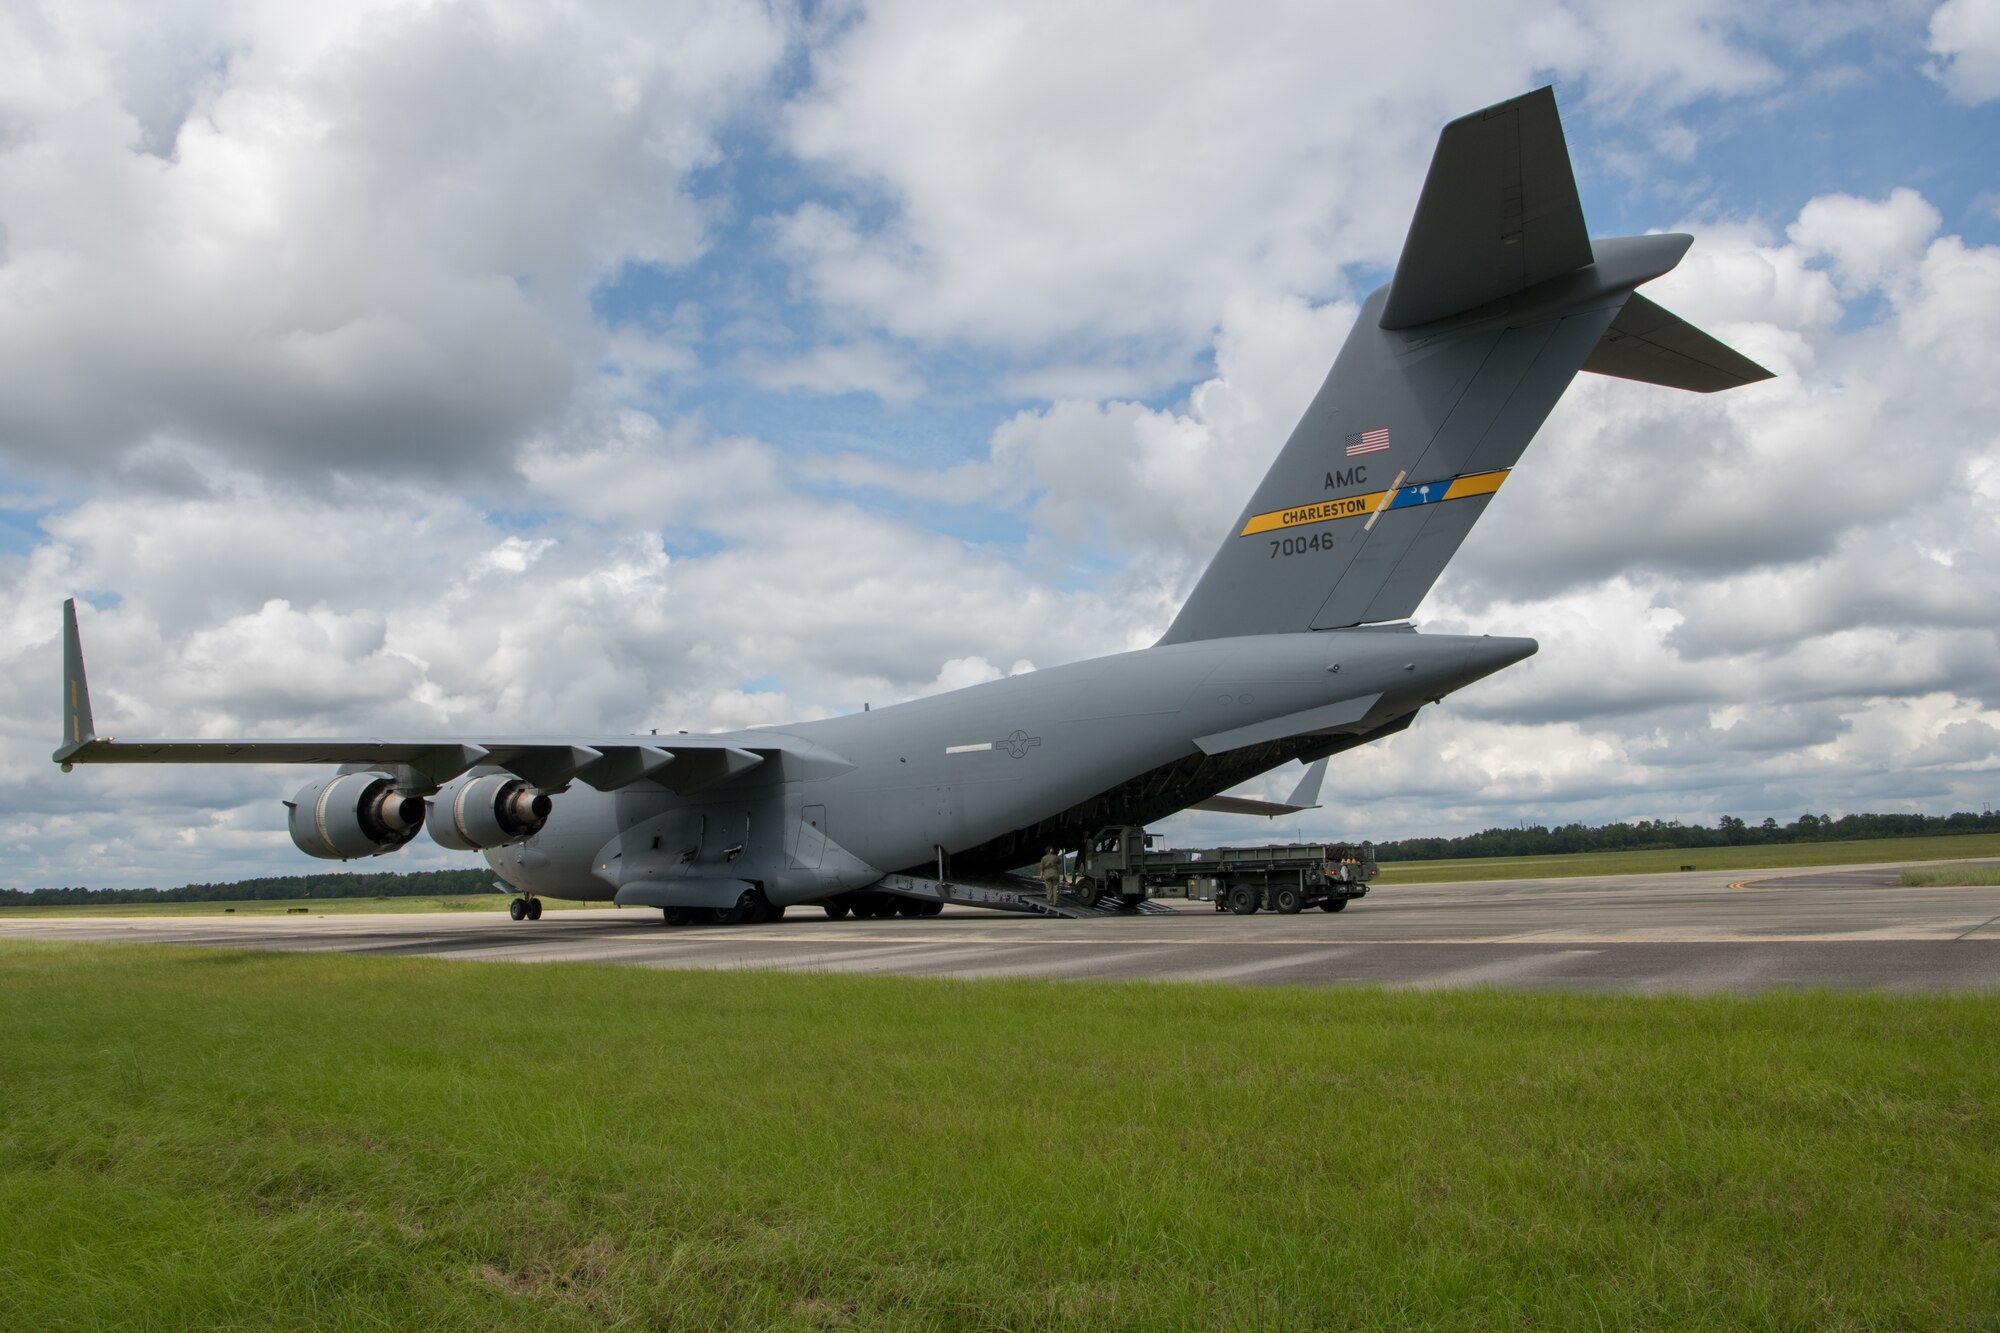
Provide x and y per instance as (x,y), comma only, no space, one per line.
(1052,875)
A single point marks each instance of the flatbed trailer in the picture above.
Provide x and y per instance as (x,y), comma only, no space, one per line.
(1122,863)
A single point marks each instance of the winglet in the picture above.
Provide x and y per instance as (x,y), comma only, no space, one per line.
(1305,796)
(78,730)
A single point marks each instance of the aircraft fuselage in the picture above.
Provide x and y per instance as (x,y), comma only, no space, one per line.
(981,773)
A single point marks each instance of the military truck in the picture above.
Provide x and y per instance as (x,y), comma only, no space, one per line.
(1121,862)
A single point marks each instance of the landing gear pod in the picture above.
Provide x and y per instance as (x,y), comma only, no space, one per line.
(474,813)
(353,815)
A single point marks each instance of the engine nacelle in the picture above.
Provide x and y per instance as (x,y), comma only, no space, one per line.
(471,814)
(353,815)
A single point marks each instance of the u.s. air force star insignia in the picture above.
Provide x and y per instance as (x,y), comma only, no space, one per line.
(1018,744)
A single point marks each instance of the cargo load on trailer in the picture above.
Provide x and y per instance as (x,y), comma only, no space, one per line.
(1121,863)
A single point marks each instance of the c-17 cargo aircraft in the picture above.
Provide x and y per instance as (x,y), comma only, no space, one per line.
(1294,644)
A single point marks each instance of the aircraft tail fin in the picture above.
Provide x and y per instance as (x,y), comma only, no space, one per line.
(1499,299)
(1497,215)
(78,729)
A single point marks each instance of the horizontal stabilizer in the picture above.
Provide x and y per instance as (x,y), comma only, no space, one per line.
(1657,346)
(1498,214)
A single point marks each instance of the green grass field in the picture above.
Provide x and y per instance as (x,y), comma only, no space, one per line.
(1864,852)
(194,1138)
(1953,875)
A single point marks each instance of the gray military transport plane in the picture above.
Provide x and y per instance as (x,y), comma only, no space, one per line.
(1293,645)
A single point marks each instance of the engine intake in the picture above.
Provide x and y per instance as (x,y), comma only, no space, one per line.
(353,815)
(471,814)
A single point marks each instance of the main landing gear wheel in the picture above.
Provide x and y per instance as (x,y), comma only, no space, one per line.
(835,910)
(908,907)
(749,910)
(1287,901)
(1334,905)
(534,909)
(677,916)
(933,909)
(1243,900)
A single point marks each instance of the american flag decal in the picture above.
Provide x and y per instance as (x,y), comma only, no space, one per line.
(1371,441)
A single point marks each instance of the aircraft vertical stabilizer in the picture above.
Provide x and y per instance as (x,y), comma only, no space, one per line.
(1499,299)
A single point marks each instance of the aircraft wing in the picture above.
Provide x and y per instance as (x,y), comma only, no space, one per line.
(1304,797)
(680,762)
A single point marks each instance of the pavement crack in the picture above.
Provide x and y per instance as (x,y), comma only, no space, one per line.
(1976,929)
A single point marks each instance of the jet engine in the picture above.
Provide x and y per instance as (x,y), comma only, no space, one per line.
(353,815)
(474,813)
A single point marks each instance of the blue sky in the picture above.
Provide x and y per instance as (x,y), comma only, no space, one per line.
(499,364)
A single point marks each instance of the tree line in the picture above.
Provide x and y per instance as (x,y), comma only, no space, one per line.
(1645,834)
(1530,840)
(379,884)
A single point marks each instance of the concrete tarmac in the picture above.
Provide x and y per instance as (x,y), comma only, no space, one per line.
(1847,928)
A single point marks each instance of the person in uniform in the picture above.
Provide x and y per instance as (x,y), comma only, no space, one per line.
(1052,874)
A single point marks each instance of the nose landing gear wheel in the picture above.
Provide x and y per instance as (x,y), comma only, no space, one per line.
(517,910)
(534,909)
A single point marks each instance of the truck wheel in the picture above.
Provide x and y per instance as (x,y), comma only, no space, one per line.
(1334,905)
(1243,900)
(1286,901)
